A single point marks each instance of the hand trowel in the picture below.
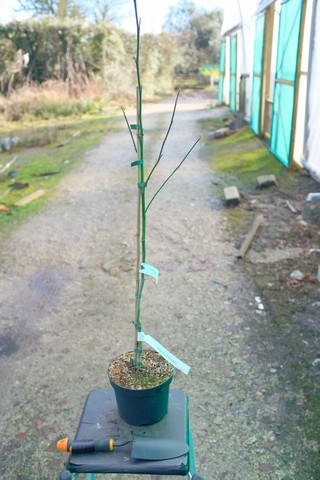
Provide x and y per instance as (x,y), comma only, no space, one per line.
(143,447)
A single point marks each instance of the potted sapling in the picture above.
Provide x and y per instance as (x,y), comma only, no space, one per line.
(141,377)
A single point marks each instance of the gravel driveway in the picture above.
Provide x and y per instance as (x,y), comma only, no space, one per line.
(67,289)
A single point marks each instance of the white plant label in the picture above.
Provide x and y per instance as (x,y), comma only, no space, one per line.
(164,352)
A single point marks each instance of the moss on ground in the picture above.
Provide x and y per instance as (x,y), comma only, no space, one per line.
(240,157)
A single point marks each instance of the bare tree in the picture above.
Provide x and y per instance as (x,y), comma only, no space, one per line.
(96,10)
(179,16)
(107,9)
(57,8)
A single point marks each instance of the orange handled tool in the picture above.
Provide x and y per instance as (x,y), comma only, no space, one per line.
(85,446)
(143,447)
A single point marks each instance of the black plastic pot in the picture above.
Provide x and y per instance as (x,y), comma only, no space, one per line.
(142,407)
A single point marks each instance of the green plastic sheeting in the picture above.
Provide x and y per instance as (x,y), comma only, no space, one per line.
(221,71)
(257,75)
(281,130)
(284,93)
(233,73)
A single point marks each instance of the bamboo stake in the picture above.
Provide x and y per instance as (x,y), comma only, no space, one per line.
(137,345)
(141,201)
(141,211)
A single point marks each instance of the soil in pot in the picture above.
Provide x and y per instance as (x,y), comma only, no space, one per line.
(141,393)
(154,371)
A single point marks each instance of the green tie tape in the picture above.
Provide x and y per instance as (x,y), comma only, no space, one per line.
(142,185)
(137,163)
(136,127)
(150,270)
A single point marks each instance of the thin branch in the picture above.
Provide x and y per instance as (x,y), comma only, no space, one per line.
(174,171)
(165,138)
(141,206)
(138,24)
(136,14)
(130,131)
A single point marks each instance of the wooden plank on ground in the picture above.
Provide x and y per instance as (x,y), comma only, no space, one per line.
(247,242)
(30,198)
(7,165)
(67,140)
(291,207)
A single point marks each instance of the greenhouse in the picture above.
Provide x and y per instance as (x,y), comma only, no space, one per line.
(268,75)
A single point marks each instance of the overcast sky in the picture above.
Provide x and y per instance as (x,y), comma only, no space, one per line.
(152,12)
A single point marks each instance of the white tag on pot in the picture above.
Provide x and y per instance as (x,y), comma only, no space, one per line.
(150,270)
(164,352)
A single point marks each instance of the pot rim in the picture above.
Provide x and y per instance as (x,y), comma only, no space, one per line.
(163,382)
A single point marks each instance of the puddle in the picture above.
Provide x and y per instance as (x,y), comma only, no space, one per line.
(8,345)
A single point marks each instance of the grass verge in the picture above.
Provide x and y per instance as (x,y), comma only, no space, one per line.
(43,167)
(241,157)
